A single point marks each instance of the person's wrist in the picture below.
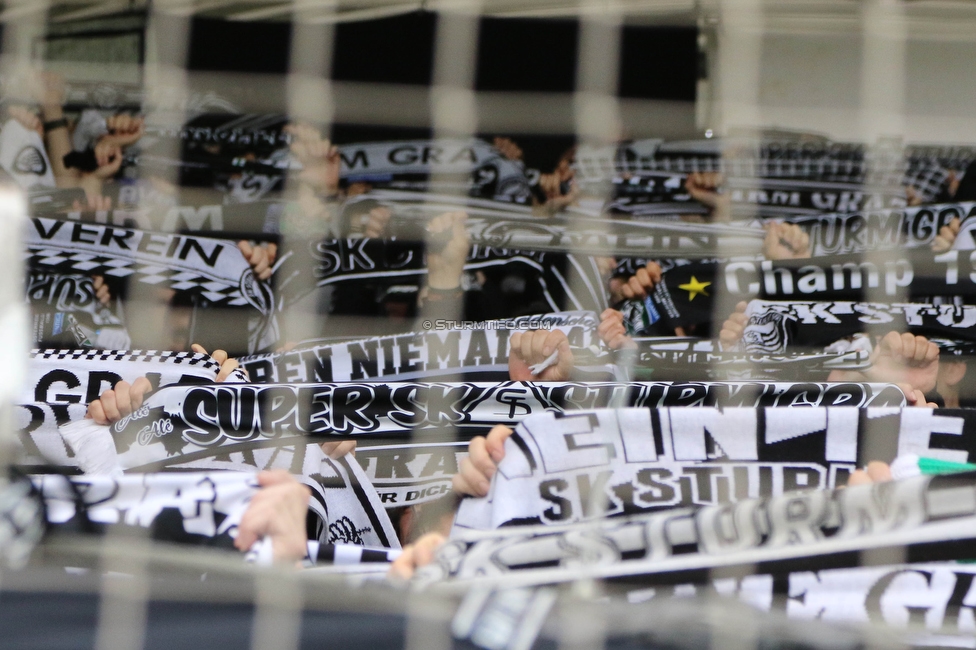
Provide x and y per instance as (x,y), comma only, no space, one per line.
(51,125)
(51,112)
(443,282)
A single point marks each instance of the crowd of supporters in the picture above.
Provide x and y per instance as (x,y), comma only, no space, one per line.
(355,245)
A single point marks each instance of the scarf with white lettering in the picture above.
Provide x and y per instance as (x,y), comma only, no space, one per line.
(774,327)
(573,467)
(686,293)
(61,383)
(206,508)
(211,269)
(445,349)
(80,376)
(922,167)
(406,473)
(66,313)
(865,230)
(933,596)
(925,518)
(470,167)
(768,197)
(693,359)
(282,418)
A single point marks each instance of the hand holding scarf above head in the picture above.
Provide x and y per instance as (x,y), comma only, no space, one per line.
(781,534)
(211,268)
(444,349)
(563,468)
(444,165)
(224,509)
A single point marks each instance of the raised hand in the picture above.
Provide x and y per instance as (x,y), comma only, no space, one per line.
(785,241)
(320,159)
(124,130)
(446,264)
(734,327)
(535,346)
(612,331)
(277,511)
(118,402)
(484,455)
(639,285)
(261,257)
(947,236)
(703,187)
(416,555)
(905,358)
(227,364)
(108,157)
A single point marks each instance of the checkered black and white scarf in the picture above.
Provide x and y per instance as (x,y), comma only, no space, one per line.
(211,268)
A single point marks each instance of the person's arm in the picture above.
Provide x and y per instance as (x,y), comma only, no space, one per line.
(50,95)
(443,296)
(473,479)
(703,187)
(319,158)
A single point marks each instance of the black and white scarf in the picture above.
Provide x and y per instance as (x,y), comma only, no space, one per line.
(572,467)
(379,416)
(916,273)
(701,359)
(80,376)
(61,383)
(925,517)
(924,168)
(405,473)
(474,351)
(211,268)
(471,167)
(767,197)
(686,294)
(865,230)
(933,596)
(65,311)
(206,508)
(775,327)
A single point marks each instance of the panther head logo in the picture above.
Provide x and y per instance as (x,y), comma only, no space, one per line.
(30,160)
(766,333)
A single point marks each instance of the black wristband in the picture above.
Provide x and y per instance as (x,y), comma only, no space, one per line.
(60,123)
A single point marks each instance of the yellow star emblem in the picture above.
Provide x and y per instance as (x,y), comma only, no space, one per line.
(694,288)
